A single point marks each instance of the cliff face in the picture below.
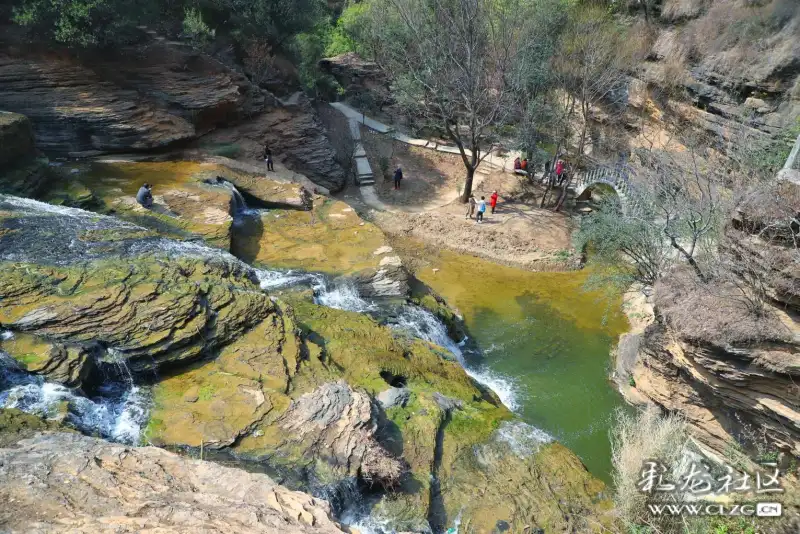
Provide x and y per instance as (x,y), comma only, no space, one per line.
(729,68)
(731,368)
(149,97)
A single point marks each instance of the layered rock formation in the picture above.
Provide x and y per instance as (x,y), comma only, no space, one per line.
(731,69)
(727,356)
(112,488)
(272,382)
(153,96)
(16,139)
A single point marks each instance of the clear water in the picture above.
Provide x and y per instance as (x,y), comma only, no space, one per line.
(549,337)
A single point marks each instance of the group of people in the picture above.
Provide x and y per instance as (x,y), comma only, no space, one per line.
(472,204)
(521,167)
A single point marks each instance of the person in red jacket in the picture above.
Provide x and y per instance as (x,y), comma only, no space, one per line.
(493,200)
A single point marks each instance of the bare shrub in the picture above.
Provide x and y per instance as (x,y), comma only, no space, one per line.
(645,436)
(713,312)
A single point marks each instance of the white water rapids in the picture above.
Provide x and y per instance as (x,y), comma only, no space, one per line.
(413,320)
(117,411)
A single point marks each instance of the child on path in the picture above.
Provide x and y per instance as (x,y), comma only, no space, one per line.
(470,207)
(493,201)
(481,210)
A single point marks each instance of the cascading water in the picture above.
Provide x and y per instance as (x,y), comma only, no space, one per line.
(339,294)
(413,320)
(117,412)
(239,204)
(422,324)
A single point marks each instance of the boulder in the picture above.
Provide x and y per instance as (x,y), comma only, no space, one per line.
(113,488)
(389,398)
(67,365)
(74,277)
(337,423)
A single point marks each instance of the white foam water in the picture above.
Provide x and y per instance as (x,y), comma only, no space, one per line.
(524,439)
(269,279)
(423,324)
(340,294)
(343,295)
(6,334)
(118,412)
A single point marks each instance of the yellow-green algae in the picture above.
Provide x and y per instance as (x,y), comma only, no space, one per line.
(331,239)
(236,399)
(545,333)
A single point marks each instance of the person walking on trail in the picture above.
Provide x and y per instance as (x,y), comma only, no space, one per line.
(493,201)
(559,169)
(145,196)
(398,175)
(470,207)
(481,210)
(268,158)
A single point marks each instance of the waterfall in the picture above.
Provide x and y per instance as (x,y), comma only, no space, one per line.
(422,324)
(122,367)
(239,204)
(117,411)
(413,320)
(340,294)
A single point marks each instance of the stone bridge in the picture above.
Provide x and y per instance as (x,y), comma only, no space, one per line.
(616,178)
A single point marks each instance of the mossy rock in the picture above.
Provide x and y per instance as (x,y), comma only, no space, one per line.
(16,425)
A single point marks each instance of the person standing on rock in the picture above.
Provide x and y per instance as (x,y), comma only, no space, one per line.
(470,207)
(398,175)
(481,210)
(145,196)
(268,158)
(306,199)
(493,201)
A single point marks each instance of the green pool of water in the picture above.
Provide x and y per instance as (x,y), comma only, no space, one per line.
(550,337)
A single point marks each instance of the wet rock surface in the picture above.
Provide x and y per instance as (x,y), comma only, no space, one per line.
(275,382)
(112,488)
(81,278)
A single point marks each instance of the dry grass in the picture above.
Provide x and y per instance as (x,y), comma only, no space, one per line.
(726,24)
(638,438)
(713,312)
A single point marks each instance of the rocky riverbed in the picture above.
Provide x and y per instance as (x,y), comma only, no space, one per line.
(124,319)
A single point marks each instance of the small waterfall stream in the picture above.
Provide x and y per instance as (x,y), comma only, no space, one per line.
(412,320)
(117,410)
(238,203)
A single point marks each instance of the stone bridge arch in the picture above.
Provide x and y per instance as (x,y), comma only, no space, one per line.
(617,179)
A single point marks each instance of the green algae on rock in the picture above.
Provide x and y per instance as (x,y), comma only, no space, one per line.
(287,383)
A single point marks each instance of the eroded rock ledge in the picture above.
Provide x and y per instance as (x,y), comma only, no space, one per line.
(56,482)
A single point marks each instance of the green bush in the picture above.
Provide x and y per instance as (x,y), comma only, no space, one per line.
(195,28)
(347,34)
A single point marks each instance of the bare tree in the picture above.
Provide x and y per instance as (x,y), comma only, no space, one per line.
(453,64)
(591,67)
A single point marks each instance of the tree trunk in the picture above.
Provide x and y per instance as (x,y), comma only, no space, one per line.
(468,184)
(689,258)
(563,196)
